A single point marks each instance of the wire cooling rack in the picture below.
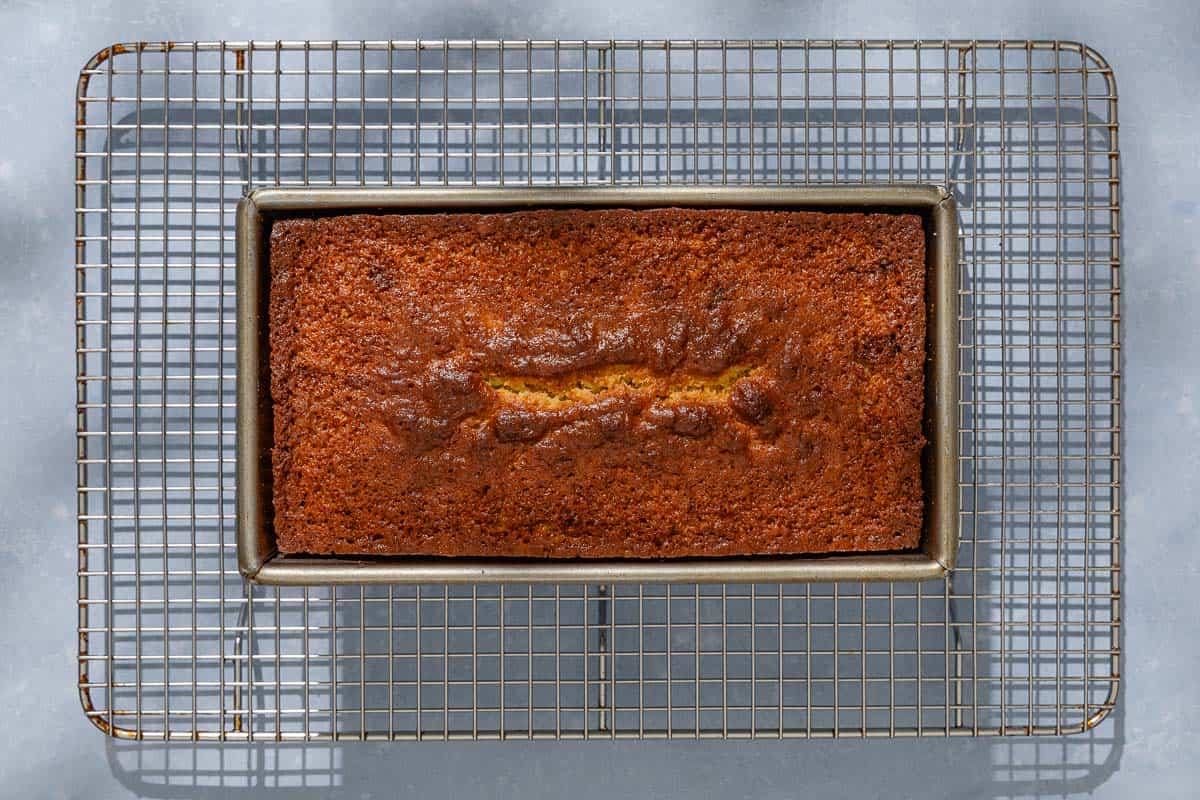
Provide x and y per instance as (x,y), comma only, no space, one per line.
(1023,639)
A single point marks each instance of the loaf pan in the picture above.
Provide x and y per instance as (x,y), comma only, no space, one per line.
(260,561)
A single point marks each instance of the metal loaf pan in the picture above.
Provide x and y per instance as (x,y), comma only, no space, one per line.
(261,562)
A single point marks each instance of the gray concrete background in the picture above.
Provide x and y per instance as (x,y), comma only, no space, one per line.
(1149,748)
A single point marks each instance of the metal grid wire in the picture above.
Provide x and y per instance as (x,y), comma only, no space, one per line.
(1023,639)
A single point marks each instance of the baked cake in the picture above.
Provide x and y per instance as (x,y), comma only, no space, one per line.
(597,383)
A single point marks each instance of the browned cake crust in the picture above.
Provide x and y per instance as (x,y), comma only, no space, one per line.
(640,384)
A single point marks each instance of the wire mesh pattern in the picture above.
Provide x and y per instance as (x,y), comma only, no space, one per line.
(1023,639)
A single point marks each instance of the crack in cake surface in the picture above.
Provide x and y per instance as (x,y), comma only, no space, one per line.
(590,385)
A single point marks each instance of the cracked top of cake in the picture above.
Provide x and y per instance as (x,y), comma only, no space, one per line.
(570,383)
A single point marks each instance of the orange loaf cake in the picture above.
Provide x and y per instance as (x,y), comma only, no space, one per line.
(597,383)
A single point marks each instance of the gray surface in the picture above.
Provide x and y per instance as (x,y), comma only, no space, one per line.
(1149,747)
